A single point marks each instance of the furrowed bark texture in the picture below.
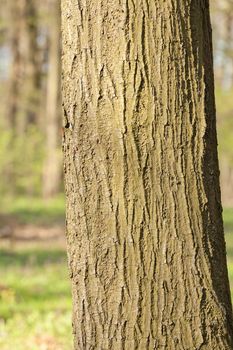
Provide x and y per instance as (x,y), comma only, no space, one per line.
(144,220)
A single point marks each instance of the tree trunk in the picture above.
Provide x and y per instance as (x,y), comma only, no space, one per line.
(24,77)
(12,96)
(30,79)
(144,219)
(52,166)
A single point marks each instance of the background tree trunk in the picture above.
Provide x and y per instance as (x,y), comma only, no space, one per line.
(144,219)
(52,165)
(24,77)
(12,105)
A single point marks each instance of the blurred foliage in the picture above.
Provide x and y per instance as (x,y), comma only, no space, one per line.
(224,102)
(21,160)
(35,210)
(228,224)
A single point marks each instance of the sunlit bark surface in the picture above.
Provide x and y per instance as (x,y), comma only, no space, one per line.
(144,219)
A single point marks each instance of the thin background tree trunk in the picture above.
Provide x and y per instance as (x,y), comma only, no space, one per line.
(12,96)
(144,219)
(52,165)
(24,78)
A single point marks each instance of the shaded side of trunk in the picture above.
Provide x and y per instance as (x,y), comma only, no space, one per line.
(52,166)
(144,219)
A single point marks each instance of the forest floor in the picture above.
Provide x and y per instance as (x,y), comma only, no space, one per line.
(35,297)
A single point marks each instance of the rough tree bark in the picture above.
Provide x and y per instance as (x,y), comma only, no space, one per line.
(144,219)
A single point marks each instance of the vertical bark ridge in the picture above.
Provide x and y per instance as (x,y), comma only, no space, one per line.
(145,236)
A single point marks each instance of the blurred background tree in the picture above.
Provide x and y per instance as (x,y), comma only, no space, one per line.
(35,292)
(30,115)
(222,22)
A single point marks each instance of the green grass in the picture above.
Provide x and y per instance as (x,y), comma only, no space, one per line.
(35,210)
(35,293)
(35,299)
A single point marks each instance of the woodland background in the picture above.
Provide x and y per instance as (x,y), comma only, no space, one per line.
(35,300)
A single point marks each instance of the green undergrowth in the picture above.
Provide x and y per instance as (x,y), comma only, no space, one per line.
(33,210)
(35,299)
(224,104)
